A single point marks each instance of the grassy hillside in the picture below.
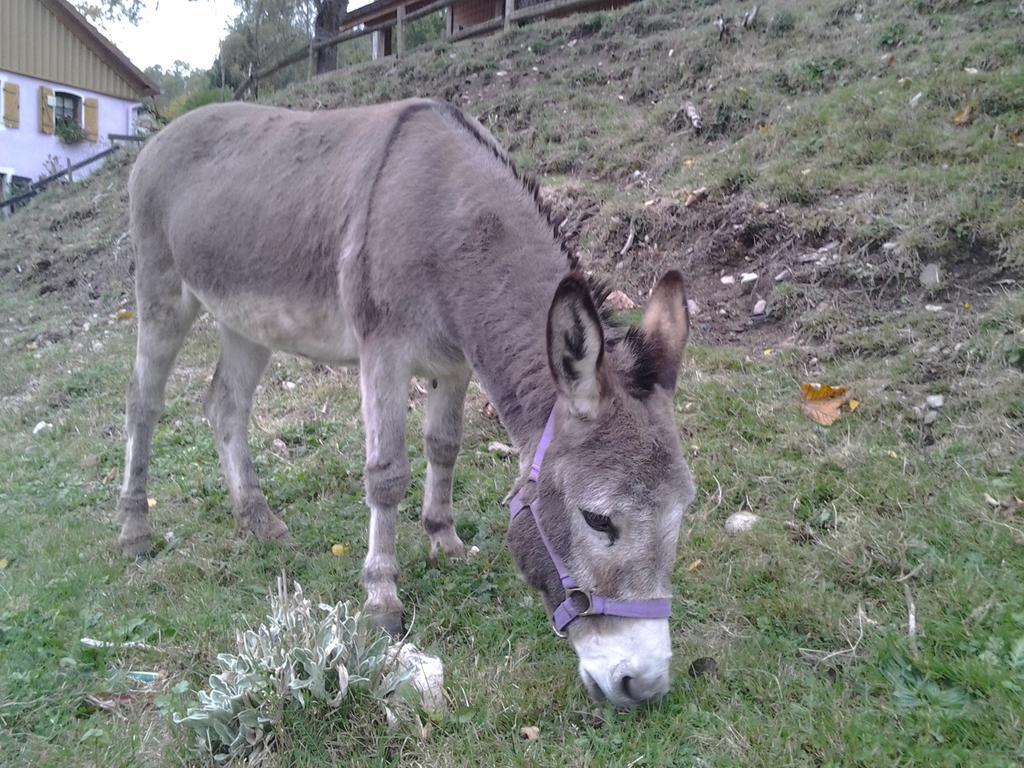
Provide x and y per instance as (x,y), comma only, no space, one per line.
(824,169)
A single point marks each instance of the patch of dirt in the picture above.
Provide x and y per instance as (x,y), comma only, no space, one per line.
(755,282)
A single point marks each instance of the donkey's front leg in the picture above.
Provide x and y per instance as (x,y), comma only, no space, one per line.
(384,386)
(442,437)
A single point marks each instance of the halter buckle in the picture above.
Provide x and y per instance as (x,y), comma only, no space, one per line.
(572,592)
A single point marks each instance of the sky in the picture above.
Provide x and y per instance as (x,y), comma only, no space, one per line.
(177,30)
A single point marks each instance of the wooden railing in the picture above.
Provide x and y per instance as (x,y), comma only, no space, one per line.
(511,16)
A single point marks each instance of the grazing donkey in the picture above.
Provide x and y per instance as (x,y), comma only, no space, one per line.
(400,237)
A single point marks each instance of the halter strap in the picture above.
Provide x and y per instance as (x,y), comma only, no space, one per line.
(578,602)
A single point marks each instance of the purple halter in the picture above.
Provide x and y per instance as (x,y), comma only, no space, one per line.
(580,602)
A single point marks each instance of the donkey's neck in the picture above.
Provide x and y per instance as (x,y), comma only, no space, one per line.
(504,339)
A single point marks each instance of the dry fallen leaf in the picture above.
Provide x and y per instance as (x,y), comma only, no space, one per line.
(690,162)
(530,732)
(124,314)
(339,550)
(151,503)
(111,476)
(964,116)
(1017,139)
(694,565)
(698,195)
(822,402)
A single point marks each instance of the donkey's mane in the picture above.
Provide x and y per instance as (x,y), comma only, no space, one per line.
(636,354)
(529,181)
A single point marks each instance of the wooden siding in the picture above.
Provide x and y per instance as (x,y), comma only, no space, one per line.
(45,42)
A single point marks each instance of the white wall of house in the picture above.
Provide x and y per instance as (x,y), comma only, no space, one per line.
(30,152)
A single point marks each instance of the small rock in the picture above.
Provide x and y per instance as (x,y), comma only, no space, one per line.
(933,307)
(740,522)
(931,277)
(935,401)
(473,552)
(500,448)
(288,385)
(692,307)
(760,307)
(42,426)
(619,301)
(427,674)
(782,275)
(930,417)
(728,280)
(748,277)
(530,732)
(889,246)
(280,448)
(705,665)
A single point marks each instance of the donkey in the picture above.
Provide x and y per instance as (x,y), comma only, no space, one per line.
(401,238)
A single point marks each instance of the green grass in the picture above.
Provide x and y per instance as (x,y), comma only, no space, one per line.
(877,495)
(806,616)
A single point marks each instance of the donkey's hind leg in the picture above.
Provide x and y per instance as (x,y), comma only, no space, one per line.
(442,438)
(166,310)
(228,405)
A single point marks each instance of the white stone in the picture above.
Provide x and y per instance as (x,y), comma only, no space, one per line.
(930,417)
(473,552)
(427,674)
(42,426)
(501,449)
(935,401)
(288,385)
(692,307)
(931,276)
(760,307)
(748,277)
(933,307)
(740,522)
(728,279)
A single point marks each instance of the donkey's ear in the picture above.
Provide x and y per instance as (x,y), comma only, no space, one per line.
(576,345)
(667,323)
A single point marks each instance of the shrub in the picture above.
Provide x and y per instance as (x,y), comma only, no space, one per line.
(189,101)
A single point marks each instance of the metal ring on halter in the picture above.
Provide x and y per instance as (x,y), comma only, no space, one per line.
(572,592)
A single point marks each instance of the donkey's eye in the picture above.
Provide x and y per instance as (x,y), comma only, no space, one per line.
(600,523)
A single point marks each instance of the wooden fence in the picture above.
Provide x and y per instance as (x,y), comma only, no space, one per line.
(512,16)
(7,206)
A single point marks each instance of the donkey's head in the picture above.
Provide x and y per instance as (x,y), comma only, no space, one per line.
(612,489)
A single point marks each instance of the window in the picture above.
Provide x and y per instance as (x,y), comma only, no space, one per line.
(66,109)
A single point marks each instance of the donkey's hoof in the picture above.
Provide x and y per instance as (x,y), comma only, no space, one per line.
(136,538)
(448,544)
(391,623)
(267,527)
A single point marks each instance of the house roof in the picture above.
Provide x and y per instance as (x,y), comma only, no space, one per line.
(107,51)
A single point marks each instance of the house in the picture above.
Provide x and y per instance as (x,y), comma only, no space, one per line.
(66,89)
(465,18)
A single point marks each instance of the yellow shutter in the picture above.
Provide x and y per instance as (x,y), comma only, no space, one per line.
(12,106)
(92,119)
(45,110)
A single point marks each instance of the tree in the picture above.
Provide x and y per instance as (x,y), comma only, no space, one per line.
(110,10)
(329,14)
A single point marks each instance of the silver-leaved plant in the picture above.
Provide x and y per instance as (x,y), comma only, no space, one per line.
(302,655)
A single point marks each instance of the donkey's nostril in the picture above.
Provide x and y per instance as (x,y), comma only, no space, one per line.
(626,680)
